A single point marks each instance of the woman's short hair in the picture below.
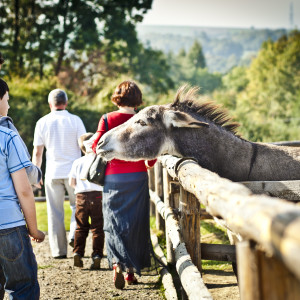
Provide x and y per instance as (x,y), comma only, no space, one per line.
(127,93)
(3,88)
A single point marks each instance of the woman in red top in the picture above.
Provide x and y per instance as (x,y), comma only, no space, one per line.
(125,198)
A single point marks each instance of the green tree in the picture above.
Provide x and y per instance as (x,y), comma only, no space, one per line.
(196,56)
(38,32)
(151,67)
(270,103)
(236,80)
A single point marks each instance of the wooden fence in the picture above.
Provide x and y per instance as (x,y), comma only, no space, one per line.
(266,229)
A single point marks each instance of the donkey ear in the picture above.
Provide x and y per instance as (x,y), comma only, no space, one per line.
(181,119)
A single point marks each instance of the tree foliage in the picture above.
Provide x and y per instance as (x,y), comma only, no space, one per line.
(196,57)
(265,98)
(36,33)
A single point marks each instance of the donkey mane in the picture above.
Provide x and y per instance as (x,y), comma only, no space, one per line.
(188,101)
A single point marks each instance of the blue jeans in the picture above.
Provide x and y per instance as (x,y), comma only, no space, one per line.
(18,264)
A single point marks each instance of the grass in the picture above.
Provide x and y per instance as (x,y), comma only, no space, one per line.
(41,215)
(210,233)
(45,267)
(214,234)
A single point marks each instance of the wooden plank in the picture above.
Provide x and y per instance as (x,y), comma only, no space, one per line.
(218,252)
(244,212)
(204,215)
(276,281)
(167,200)
(248,276)
(160,225)
(151,179)
(151,183)
(289,190)
(190,277)
(167,280)
(287,143)
(190,225)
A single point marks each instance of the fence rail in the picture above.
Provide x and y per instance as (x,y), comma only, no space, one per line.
(268,228)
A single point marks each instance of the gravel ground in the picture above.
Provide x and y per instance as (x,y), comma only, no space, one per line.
(60,280)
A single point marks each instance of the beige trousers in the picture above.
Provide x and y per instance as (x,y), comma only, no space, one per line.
(55,195)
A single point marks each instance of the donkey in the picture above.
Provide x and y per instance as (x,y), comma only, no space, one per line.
(188,128)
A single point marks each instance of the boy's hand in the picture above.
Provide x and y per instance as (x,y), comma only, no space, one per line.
(38,236)
(39,185)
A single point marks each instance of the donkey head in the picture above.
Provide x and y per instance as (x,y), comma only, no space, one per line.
(146,135)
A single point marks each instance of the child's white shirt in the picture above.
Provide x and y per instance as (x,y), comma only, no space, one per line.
(82,185)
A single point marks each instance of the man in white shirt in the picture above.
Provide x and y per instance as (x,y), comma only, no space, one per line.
(58,132)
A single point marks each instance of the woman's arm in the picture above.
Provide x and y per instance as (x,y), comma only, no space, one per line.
(26,198)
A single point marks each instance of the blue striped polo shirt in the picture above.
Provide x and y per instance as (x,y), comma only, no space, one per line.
(12,158)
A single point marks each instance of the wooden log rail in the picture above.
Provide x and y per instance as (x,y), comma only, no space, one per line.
(269,228)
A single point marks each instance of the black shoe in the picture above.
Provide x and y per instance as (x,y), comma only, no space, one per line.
(71,243)
(60,257)
(96,263)
(78,261)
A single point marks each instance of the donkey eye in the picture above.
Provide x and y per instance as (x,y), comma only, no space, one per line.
(141,122)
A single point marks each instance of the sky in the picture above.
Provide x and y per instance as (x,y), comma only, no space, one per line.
(224,13)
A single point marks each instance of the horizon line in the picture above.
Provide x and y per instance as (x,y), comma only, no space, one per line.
(225,27)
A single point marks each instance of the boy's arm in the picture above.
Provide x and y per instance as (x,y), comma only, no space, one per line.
(26,198)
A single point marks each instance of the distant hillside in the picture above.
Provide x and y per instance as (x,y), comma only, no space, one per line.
(223,47)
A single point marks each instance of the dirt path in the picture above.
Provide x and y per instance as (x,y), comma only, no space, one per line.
(60,280)
(222,284)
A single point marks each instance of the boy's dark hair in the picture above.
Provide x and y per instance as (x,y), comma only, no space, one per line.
(3,88)
(127,93)
(83,138)
(1,59)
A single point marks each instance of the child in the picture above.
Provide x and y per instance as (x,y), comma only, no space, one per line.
(17,260)
(33,172)
(88,204)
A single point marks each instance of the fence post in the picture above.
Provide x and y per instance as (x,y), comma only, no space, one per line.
(276,281)
(160,225)
(190,224)
(262,278)
(168,200)
(152,188)
(248,277)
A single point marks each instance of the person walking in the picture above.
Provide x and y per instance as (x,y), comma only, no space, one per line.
(58,132)
(17,209)
(88,205)
(125,198)
(34,174)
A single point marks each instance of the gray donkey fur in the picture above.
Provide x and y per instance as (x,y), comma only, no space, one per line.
(187,128)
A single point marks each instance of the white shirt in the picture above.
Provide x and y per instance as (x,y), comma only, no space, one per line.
(58,132)
(82,185)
